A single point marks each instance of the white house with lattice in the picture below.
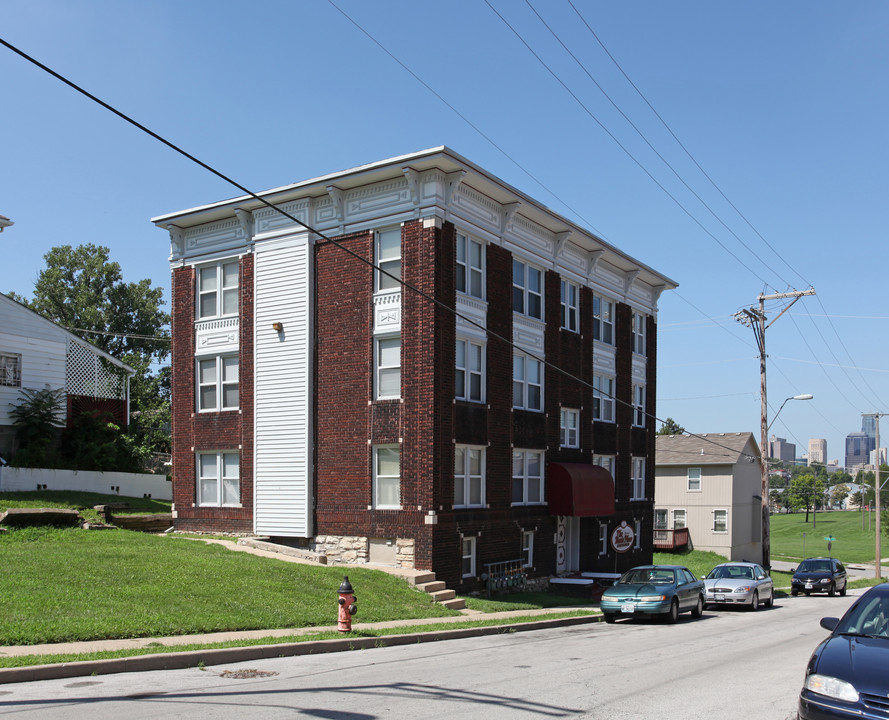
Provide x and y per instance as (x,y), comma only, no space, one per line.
(38,354)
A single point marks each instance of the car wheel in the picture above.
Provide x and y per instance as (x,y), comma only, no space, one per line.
(754,603)
(698,609)
(609,617)
(794,592)
(673,615)
(832,590)
(771,601)
(843,591)
(807,592)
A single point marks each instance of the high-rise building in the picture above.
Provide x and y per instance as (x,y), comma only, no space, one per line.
(857,450)
(817,451)
(780,449)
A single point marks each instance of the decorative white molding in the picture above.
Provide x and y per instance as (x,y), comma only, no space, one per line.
(216,336)
(177,240)
(528,334)
(629,277)
(413,183)
(245,217)
(560,240)
(452,183)
(337,199)
(595,256)
(473,309)
(387,312)
(507,215)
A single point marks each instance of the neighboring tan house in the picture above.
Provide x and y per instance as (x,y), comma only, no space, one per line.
(36,353)
(710,486)
(319,400)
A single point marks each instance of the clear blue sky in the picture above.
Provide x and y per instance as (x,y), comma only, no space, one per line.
(784,105)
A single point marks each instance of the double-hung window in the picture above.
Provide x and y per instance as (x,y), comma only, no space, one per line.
(527,382)
(639,405)
(470,267)
(387,252)
(527,548)
(568,426)
(639,333)
(218,479)
(527,290)
(218,383)
(387,367)
(527,477)
(470,371)
(218,290)
(720,521)
(678,519)
(469,476)
(569,306)
(603,320)
(605,461)
(11,369)
(638,478)
(660,519)
(694,479)
(468,562)
(603,398)
(387,477)
(603,538)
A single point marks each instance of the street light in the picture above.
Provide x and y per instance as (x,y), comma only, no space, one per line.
(804,396)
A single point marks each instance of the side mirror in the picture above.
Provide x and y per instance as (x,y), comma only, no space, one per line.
(829,623)
(615,582)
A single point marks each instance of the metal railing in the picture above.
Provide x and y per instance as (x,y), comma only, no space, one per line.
(671,539)
(505,574)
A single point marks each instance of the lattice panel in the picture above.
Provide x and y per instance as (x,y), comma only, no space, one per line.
(87,374)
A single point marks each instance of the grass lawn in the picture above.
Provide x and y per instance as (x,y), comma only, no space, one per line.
(794,539)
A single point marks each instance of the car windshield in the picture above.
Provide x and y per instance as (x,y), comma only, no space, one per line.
(658,576)
(814,566)
(869,617)
(725,572)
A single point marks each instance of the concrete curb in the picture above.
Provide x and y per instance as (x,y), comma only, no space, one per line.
(222,656)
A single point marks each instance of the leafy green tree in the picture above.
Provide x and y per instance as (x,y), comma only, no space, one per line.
(37,418)
(839,494)
(806,492)
(671,427)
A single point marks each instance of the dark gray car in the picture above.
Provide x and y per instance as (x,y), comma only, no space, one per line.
(825,575)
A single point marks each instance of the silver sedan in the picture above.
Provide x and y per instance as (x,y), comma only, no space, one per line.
(738,583)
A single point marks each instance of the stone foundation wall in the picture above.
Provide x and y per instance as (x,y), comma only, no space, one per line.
(339,549)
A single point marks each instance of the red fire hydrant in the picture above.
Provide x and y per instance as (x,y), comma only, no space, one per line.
(348,606)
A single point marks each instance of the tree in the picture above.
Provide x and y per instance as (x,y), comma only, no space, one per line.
(805,492)
(671,427)
(37,419)
(839,494)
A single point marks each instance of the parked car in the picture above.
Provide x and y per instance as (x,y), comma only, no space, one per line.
(846,676)
(819,575)
(665,590)
(738,583)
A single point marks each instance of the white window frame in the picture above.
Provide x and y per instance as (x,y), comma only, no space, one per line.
(676,513)
(220,384)
(637,540)
(10,369)
(605,461)
(665,515)
(465,478)
(526,393)
(527,548)
(385,258)
(694,479)
(603,398)
(220,487)
(639,406)
(715,529)
(472,368)
(380,369)
(381,479)
(603,539)
(638,479)
(569,428)
(222,291)
(603,320)
(468,549)
(526,300)
(570,306)
(470,267)
(521,464)
(639,344)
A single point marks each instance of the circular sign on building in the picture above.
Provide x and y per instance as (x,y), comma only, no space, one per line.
(623,537)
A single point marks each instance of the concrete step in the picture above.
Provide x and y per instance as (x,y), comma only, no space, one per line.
(442,595)
(422,578)
(455,604)
(431,587)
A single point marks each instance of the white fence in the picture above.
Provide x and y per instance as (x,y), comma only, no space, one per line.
(110,483)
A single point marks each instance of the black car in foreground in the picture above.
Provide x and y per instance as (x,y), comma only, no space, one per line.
(848,674)
(826,575)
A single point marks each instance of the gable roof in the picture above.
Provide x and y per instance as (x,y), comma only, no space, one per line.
(706,449)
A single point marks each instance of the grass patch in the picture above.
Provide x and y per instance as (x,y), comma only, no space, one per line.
(522,601)
(794,539)
(82,501)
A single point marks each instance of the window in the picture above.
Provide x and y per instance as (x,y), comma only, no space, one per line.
(470,371)
(470,267)
(694,479)
(527,290)
(10,369)
(660,519)
(469,557)
(603,320)
(568,422)
(638,406)
(387,367)
(639,333)
(605,461)
(569,306)
(678,519)
(527,548)
(218,383)
(603,398)
(603,538)
(218,479)
(638,478)
(720,521)
(527,382)
(469,476)
(387,248)
(637,536)
(527,477)
(218,290)
(387,477)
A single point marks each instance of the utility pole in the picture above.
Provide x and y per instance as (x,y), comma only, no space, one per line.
(877,549)
(756,318)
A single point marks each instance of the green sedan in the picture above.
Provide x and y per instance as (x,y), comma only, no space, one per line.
(665,590)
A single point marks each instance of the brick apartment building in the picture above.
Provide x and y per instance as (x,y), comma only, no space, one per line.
(496,406)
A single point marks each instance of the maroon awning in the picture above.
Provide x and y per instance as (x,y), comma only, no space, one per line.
(579,489)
